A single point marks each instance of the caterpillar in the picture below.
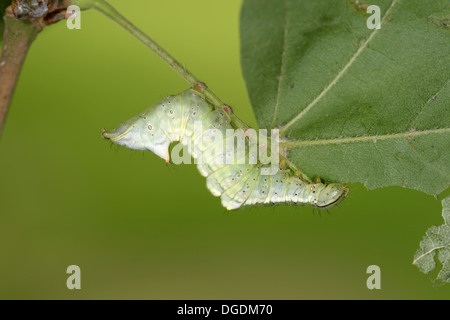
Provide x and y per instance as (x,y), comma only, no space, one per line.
(239,182)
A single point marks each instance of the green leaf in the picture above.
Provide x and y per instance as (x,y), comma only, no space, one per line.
(436,240)
(353,104)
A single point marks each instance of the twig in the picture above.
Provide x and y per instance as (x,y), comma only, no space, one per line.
(19,34)
(113,14)
(17,39)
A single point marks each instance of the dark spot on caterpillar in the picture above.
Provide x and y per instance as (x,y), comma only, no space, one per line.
(292,85)
(171,111)
(149,127)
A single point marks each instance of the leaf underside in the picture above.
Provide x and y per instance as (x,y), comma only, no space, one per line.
(436,240)
(353,104)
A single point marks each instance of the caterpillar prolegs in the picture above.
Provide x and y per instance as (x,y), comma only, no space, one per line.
(239,179)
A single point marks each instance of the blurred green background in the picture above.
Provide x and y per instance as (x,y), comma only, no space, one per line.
(141,229)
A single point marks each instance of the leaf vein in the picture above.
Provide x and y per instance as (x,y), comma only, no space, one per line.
(283,62)
(428,252)
(374,138)
(340,74)
(433,97)
(425,162)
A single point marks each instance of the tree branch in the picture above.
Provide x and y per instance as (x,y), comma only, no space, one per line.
(17,39)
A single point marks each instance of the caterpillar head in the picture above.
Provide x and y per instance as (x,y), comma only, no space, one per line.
(331,195)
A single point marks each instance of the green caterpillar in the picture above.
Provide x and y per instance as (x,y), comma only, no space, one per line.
(239,183)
